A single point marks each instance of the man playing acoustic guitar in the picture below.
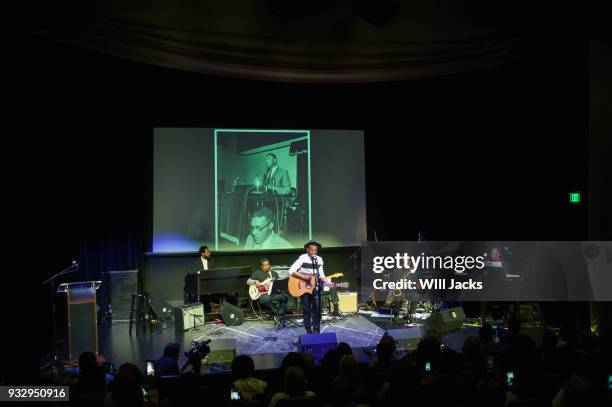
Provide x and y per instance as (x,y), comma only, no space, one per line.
(305,267)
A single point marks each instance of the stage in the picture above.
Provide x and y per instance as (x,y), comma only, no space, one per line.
(260,339)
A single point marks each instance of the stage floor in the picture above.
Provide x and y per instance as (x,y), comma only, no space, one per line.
(254,337)
(260,339)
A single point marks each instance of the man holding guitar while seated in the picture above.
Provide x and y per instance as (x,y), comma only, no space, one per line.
(306,280)
(261,287)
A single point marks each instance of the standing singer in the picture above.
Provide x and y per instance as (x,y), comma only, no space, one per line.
(305,267)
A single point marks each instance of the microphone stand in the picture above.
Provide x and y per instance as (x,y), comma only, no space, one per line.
(319,288)
(73,267)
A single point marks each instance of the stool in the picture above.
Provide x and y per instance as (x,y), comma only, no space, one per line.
(140,312)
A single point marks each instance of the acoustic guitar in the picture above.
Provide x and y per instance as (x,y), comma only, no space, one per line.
(298,287)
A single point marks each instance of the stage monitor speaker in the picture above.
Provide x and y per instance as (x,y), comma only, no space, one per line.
(162,309)
(222,351)
(446,320)
(123,283)
(188,316)
(347,302)
(406,339)
(317,344)
(231,314)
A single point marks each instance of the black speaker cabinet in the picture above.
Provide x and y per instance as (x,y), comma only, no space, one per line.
(123,283)
(231,314)
(446,320)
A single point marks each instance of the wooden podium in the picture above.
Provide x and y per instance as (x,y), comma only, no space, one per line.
(81,317)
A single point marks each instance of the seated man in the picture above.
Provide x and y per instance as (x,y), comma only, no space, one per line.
(275,300)
(334,301)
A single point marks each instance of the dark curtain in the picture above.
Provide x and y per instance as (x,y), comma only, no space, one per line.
(321,42)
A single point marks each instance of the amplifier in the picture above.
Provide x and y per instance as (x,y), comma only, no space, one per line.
(222,351)
(317,344)
(188,316)
(347,302)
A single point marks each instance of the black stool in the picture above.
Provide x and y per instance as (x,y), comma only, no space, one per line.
(140,312)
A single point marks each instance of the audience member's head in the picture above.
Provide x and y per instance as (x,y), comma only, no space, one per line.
(167,365)
(428,350)
(486,333)
(329,363)
(344,349)
(92,379)
(172,350)
(385,349)
(243,367)
(87,362)
(471,345)
(292,359)
(127,386)
(308,362)
(295,382)
(349,369)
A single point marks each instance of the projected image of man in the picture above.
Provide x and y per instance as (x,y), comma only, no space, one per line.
(262,234)
(276,179)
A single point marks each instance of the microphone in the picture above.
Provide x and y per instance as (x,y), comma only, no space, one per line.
(316,264)
(75,264)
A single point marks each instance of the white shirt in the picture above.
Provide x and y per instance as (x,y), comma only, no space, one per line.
(204,263)
(305,260)
(272,171)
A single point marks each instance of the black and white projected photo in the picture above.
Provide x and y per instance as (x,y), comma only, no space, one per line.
(257,189)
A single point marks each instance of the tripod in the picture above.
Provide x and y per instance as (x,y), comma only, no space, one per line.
(283,320)
(73,267)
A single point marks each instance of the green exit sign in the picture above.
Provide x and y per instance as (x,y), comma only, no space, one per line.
(575,197)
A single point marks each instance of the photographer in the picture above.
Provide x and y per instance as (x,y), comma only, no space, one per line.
(188,389)
(194,357)
(167,365)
